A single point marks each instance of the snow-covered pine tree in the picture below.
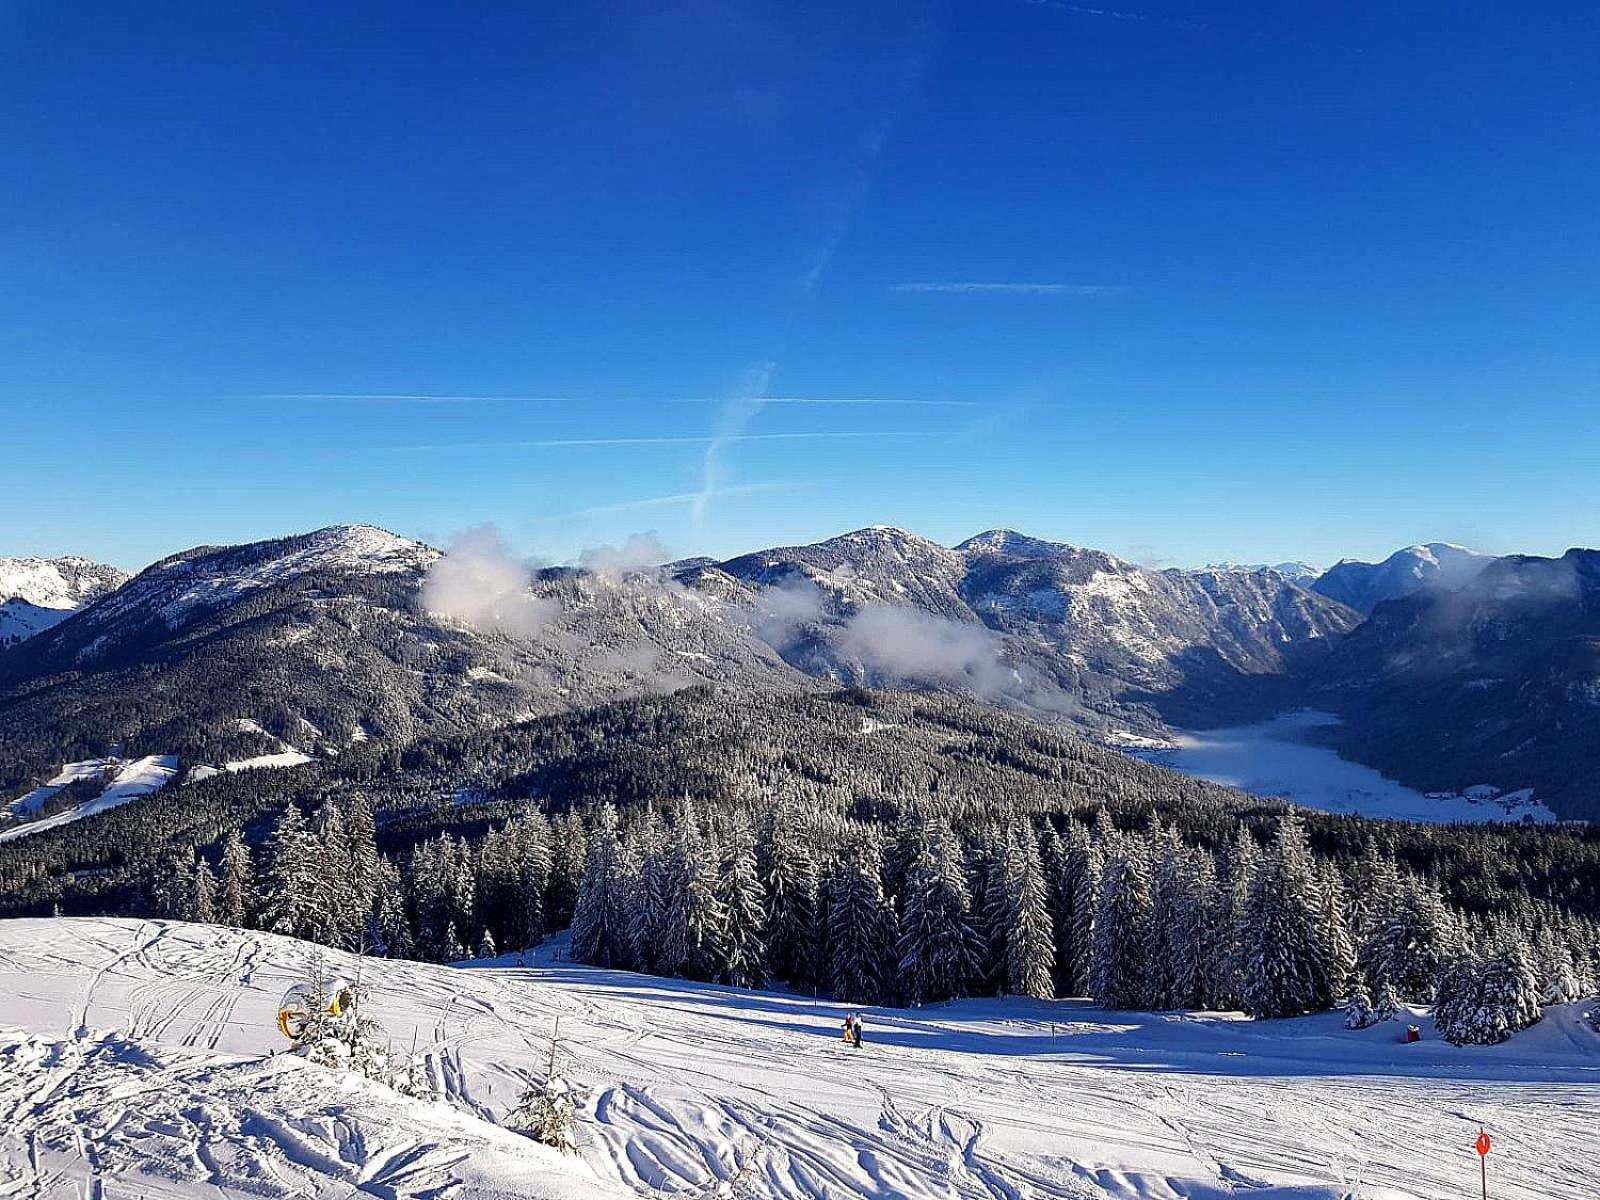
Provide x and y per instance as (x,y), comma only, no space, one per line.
(1284,958)
(392,935)
(1166,860)
(790,879)
(1405,943)
(1030,940)
(340,914)
(292,898)
(861,925)
(1188,939)
(1117,968)
(569,854)
(235,889)
(486,946)
(991,909)
(547,1110)
(450,948)
(1338,946)
(938,956)
(1482,1001)
(204,905)
(1081,865)
(692,944)
(1558,978)
(602,922)
(652,885)
(1238,868)
(1358,1010)
(743,903)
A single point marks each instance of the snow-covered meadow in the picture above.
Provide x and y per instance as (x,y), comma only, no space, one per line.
(138,1058)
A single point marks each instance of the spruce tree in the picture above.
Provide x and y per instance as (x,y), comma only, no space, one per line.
(861,926)
(602,933)
(742,900)
(938,954)
(790,878)
(1118,968)
(235,889)
(1284,969)
(1030,940)
(204,906)
(292,898)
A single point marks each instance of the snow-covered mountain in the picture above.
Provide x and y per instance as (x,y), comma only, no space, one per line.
(36,593)
(305,644)
(1045,623)
(228,654)
(1497,682)
(1301,573)
(1363,585)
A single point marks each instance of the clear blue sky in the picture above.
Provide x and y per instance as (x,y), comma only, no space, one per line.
(1183,281)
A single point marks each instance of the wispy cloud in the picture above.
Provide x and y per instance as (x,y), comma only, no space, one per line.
(409,398)
(846,400)
(738,410)
(681,499)
(707,441)
(1015,289)
(1114,14)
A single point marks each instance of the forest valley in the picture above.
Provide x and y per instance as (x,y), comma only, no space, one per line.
(883,848)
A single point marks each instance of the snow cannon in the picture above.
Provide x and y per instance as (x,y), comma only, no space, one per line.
(302,1000)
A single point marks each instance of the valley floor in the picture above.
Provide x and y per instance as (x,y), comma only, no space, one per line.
(138,1059)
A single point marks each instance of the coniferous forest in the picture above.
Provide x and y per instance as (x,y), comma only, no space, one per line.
(881,848)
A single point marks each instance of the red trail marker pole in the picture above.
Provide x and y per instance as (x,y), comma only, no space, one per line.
(1482,1146)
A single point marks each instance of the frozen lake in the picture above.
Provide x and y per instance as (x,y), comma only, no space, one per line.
(1278,758)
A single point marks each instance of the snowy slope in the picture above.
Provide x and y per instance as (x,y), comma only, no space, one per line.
(1364,586)
(135,1061)
(132,780)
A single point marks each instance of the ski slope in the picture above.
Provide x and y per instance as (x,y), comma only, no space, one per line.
(138,778)
(136,1059)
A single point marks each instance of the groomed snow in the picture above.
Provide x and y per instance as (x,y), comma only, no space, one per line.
(31,802)
(1274,758)
(285,758)
(138,1060)
(137,778)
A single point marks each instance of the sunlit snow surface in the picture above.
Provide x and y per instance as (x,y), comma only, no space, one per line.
(137,1058)
(133,780)
(1277,758)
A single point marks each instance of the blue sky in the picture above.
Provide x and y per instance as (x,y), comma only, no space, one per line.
(1184,281)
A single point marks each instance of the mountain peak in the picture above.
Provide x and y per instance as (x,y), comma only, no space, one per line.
(1011,544)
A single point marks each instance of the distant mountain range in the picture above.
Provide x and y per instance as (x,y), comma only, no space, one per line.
(36,593)
(1450,667)
(1435,566)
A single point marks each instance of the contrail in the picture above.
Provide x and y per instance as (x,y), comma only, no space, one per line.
(543,443)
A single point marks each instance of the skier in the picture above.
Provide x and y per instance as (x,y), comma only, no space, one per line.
(857,1031)
(849,1033)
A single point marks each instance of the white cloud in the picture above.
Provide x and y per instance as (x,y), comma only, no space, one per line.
(640,552)
(480,582)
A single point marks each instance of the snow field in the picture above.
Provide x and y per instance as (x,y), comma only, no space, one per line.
(137,1059)
(1274,758)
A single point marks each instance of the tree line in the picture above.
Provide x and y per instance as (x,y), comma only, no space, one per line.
(920,911)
